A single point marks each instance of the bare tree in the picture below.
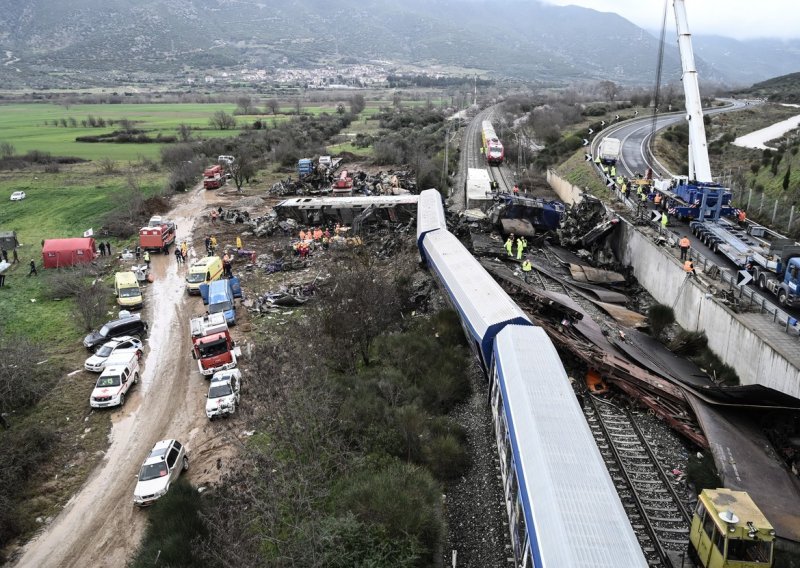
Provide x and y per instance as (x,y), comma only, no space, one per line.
(357,104)
(23,382)
(298,105)
(221,120)
(273,106)
(609,89)
(244,105)
(184,132)
(7,149)
(242,168)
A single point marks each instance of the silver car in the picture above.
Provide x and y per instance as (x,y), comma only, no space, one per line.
(161,467)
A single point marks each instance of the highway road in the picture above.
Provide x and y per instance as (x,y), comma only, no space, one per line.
(635,135)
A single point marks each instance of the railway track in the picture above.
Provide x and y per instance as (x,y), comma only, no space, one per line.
(654,508)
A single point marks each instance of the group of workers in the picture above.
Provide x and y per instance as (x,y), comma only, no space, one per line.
(521,243)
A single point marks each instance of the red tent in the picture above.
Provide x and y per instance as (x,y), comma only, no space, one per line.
(66,252)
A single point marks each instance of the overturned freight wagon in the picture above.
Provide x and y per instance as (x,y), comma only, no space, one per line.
(57,253)
(320,211)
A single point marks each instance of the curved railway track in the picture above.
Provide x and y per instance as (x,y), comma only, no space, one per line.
(654,507)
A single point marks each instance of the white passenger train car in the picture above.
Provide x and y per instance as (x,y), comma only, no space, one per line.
(563,509)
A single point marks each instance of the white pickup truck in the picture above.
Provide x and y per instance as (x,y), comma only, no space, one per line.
(121,372)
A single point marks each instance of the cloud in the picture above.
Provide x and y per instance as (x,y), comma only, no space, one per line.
(740,19)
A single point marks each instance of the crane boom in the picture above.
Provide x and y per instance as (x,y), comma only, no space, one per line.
(699,167)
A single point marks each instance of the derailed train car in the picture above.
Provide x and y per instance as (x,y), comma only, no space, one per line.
(562,506)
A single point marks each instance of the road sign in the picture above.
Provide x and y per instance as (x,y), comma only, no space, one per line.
(743,278)
(587,157)
(591,131)
(656,216)
(610,183)
(585,142)
(602,123)
(636,112)
(616,117)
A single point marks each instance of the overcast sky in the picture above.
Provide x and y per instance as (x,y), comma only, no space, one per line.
(740,19)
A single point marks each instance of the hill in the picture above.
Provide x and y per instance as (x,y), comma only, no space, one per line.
(784,89)
(85,43)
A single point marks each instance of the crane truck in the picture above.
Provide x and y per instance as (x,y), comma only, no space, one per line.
(771,259)
(718,538)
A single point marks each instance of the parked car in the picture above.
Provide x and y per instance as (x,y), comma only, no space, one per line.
(97,362)
(119,376)
(161,467)
(129,325)
(18,196)
(223,393)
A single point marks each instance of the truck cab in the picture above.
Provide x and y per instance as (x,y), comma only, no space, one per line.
(730,531)
(212,345)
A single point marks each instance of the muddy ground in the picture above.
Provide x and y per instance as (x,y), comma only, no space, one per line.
(99,526)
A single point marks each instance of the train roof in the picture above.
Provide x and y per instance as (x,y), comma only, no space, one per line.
(430,213)
(573,513)
(348,202)
(483,305)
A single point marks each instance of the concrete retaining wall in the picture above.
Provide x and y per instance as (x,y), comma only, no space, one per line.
(662,275)
(568,193)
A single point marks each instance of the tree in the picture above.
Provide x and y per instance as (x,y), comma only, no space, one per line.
(609,89)
(244,105)
(357,104)
(184,132)
(242,168)
(221,120)
(340,109)
(298,105)
(273,106)
(7,149)
(786,177)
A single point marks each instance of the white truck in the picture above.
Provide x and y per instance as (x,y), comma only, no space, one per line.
(121,372)
(609,151)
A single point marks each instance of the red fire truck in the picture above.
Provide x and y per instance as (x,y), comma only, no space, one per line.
(214,177)
(157,235)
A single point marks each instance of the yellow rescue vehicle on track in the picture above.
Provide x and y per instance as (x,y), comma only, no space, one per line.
(729,531)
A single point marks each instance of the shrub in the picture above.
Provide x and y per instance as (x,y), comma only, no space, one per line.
(349,542)
(446,456)
(401,499)
(174,522)
(660,317)
(23,450)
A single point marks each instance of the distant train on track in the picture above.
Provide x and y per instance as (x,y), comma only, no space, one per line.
(492,147)
(563,509)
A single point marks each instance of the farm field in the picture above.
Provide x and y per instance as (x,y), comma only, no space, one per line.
(57,205)
(30,126)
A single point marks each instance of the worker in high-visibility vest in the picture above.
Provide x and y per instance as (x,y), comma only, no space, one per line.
(526,269)
(664,221)
(510,245)
(688,267)
(520,247)
(613,171)
(684,245)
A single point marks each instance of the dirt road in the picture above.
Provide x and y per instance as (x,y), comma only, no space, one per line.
(100,526)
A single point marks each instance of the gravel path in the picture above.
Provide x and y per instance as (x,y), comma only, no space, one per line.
(476,518)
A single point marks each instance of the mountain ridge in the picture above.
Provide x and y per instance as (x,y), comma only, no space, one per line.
(102,42)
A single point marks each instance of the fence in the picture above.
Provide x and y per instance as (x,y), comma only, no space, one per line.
(778,214)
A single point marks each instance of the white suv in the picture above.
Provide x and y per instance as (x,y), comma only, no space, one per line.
(97,362)
(120,374)
(163,465)
(223,393)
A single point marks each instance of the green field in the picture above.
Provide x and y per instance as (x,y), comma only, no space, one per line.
(57,205)
(29,126)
